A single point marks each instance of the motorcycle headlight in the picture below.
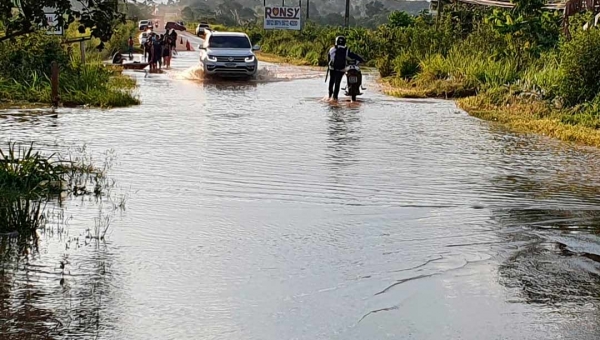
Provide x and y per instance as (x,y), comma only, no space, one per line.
(250,58)
(211,58)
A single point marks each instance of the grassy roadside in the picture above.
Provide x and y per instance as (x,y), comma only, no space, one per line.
(25,71)
(276,59)
(515,67)
(516,111)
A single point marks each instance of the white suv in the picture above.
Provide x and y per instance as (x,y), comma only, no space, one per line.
(228,54)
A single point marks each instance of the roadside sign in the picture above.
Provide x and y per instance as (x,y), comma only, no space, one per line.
(282,18)
(53,27)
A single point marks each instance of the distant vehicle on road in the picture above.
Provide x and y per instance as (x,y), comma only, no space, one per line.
(143,25)
(175,26)
(202,28)
(228,54)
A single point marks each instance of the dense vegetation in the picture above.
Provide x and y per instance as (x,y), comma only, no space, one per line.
(25,70)
(513,66)
(23,17)
(369,13)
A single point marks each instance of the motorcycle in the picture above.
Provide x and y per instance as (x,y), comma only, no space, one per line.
(353,81)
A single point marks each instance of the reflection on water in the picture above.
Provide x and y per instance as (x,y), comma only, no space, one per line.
(260,212)
(344,137)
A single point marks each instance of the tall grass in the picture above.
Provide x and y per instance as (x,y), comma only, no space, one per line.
(29,179)
(25,71)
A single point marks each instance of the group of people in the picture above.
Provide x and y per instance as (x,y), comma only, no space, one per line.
(158,50)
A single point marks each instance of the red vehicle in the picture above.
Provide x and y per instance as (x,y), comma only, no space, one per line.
(174,26)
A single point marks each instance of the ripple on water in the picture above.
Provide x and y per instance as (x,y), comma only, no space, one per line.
(260,212)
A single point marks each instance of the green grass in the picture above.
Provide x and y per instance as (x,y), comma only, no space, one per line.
(29,180)
(25,71)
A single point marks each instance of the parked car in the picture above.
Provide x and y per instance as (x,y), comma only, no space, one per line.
(174,26)
(143,25)
(202,29)
(228,54)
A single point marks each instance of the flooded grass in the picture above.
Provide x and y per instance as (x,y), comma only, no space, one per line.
(518,112)
(29,180)
(276,59)
(531,116)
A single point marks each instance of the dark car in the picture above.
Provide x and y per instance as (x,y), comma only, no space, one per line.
(174,26)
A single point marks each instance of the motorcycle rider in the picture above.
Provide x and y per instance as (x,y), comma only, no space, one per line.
(337,61)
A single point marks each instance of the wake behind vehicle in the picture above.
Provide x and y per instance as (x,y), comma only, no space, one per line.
(353,81)
(228,54)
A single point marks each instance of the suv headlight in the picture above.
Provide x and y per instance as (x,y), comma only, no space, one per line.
(250,58)
(211,58)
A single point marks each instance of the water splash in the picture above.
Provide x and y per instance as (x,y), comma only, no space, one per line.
(265,74)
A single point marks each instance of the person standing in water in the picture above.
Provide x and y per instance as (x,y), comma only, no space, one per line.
(130,43)
(158,51)
(337,60)
(167,51)
(173,35)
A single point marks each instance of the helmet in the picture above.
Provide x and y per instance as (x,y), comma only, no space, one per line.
(340,41)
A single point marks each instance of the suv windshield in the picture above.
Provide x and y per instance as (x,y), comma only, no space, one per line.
(228,41)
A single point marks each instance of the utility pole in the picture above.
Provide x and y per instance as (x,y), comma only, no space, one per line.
(347,16)
(307,9)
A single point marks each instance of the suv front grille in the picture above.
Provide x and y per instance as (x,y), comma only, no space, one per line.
(228,59)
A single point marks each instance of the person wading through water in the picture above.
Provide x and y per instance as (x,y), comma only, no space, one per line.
(154,53)
(167,51)
(159,51)
(130,43)
(337,61)
(174,40)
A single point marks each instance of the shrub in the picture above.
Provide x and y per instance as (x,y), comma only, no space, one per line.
(384,65)
(580,68)
(400,19)
(25,72)
(406,65)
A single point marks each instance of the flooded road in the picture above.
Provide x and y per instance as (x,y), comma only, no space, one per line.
(256,211)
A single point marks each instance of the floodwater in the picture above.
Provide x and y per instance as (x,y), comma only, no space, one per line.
(257,211)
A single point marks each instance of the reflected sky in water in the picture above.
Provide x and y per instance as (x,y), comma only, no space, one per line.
(257,211)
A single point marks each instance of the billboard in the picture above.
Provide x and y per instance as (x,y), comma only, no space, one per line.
(53,27)
(282,18)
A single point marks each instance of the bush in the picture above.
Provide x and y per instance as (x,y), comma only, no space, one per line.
(385,66)
(400,19)
(580,68)
(25,73)
(31,54)
(406,66)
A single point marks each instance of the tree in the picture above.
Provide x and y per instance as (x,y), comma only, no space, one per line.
(23,17)
(400,19)
(374,8)
(187,14)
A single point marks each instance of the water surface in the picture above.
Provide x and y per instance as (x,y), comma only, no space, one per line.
(257,211)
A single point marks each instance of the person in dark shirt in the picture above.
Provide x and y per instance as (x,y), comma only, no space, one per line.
(157,45)
(337,59)
(159,51)
(167,51)
(173,35)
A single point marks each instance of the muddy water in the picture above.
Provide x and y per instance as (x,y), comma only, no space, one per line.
(256,211)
